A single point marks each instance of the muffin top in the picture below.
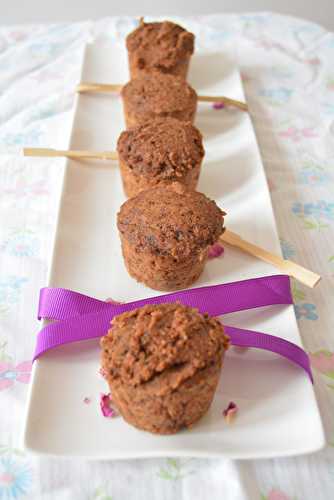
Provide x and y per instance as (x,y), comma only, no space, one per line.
(160,45)
(164,344)
(159,94)
(164,147)
(170,221)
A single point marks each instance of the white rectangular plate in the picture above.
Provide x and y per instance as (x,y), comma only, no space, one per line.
(278,414)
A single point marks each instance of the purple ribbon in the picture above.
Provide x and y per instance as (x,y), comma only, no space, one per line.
(79,317)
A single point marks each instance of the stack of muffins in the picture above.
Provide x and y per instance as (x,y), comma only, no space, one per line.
(163,362)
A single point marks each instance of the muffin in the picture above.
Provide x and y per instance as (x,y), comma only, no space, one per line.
(165,47)
(162,364)
(159,152)
(165,234)
(157,95)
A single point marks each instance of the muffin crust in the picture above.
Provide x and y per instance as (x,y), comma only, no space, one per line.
(162,363)
(165,234)
(160,151)
(164,47)
(158,95)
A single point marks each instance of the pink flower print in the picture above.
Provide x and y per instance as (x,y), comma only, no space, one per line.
(277,495)
(9,374)
(23,188)
(296,135)
(314,61)
(308,132)
(323,362)
(18,35)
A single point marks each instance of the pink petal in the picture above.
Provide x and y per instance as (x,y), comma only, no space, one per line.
(215,251)
(230,412)
(240,350)
(218,105)
(23,377)
(25,366)
(102,372)
(105,404)
(4,367)
(6,383)
(112,301)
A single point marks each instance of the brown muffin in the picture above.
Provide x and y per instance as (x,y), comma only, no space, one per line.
(157,95)
(162,364)
(165,235)
(159,152)
(165,47)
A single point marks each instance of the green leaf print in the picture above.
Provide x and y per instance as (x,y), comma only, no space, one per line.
(4,357)
(309,224)
(312,223)
(100,494)
(8,450)
(174,470)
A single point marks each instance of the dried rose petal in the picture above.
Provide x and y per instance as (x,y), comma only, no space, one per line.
(240,350)
(87,401)
(215,250)
(106,405)
(112,301)
(230,412)
(102,372)
(218,105)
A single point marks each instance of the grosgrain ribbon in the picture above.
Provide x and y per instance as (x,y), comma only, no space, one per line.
(79,317)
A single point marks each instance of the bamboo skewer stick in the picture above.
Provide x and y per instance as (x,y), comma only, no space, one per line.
(98,155)
(300,273)
(97,88)
(225,100)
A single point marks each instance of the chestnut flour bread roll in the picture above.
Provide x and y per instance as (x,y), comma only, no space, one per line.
(160,152)
(165,47)
(165,234)
(162,364)
(157,95)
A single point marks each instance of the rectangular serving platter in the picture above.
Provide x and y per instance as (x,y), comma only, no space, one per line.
(278,413)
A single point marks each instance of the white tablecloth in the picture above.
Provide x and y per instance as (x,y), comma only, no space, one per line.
(288,73)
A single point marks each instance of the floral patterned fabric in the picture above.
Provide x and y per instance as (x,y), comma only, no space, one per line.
(288,75)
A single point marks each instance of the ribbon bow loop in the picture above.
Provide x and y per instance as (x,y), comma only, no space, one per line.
(79,317)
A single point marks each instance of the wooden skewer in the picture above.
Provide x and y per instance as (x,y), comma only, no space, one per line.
(225,100)
(99,155)
(96,88)
(305,276)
